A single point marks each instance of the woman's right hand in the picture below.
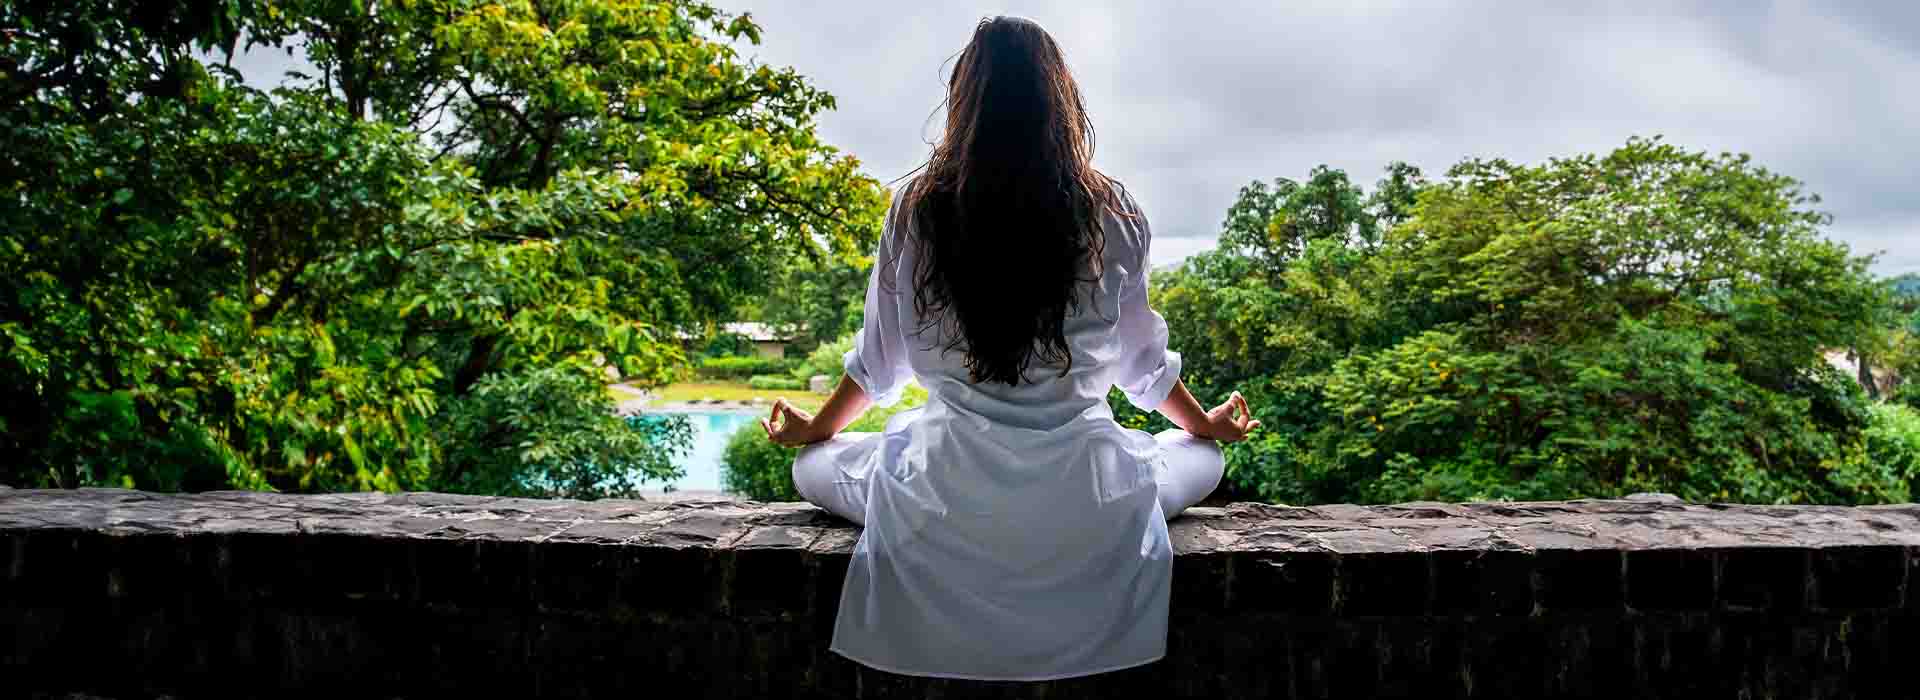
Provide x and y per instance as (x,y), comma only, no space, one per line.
(1228,422)
(788,426)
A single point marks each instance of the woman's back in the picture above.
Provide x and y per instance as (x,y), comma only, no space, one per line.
(1099,337)
(1013,530)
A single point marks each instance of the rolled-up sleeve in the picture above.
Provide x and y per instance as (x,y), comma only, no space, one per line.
(1147,370)
(878,359)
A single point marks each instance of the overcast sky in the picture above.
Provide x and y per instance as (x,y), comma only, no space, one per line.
(1191,100)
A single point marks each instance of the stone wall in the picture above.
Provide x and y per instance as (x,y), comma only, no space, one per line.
(132,595)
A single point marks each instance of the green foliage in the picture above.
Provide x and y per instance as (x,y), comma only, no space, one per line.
(828,360)
(562,440)
(739,368)
(1908,394)
(820,299)
(1650,319)
(402,272)
(729,345)
(1891,453)
(755,467)
(775,381)
(1898,353)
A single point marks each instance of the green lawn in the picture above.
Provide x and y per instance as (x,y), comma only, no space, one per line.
(731,391)
(621,393)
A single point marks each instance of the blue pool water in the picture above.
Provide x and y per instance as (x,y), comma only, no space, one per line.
(710,433)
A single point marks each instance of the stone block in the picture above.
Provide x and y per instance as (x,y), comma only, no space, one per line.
(1763,578)
(1294,583)
(767,582)
(1911,586)
(669,581)
(316,570)
(1578,579)
(1201,584)
(1670,579)
(61,565)
(122,594)
(1859,577)
(576,576)
(1589,656)
(11,546)
(1676,654)
(145,570)
(1340,659)
(1503,657)
(476,573)
(1495,582)
(1383,584)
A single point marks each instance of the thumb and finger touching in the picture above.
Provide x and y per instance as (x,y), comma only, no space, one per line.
(784,422)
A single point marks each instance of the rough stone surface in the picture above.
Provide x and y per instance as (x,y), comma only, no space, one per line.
(129,594)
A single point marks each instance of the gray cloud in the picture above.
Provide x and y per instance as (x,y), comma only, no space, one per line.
(1192,100)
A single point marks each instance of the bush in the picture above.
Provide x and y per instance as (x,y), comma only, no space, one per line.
(1888,461)
(725,344)
(739,368)
(1893,439)
(826,360)
(775,382)
(758,469)
(580,449)
(1907,394)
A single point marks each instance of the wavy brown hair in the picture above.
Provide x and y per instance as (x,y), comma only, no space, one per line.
(1007,210)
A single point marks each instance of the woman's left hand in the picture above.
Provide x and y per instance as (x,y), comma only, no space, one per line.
(790,426)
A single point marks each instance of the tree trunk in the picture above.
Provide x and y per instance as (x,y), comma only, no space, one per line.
(1863,371)
(479,360)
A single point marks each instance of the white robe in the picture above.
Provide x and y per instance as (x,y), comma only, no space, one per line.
(1012,532)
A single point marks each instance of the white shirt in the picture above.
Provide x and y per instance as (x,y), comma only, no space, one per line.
(1012,532)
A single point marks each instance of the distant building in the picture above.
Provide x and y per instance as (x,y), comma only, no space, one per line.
(768,342)
(1884,380)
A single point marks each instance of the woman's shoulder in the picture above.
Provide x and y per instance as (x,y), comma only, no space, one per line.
(1126,217)
(1122,196)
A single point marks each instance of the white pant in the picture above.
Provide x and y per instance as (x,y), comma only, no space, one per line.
(1193,469)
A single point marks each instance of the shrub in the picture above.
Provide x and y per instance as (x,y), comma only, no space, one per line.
(775,382)
(826,360)
(1893,439)
(579,450)
(756,468)
(739,368)
(1888,460)
(1907,394)
(726,344)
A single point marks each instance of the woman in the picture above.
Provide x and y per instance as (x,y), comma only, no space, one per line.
(1014,531)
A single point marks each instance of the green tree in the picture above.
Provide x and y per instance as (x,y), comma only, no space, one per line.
(819,299)
(1271,310)
(403,272)
(1899,349)
(1649,319)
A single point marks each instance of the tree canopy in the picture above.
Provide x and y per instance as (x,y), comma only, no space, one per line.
(415,264)
(1650,319)
(408,269)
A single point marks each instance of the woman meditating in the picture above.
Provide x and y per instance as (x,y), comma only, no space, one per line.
(1014,531)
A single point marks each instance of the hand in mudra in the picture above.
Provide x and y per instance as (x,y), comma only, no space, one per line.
(1230,421)
(790,426)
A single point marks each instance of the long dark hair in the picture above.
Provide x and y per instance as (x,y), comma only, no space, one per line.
(1007,210)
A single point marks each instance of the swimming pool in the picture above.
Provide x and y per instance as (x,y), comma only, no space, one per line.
(702,463)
